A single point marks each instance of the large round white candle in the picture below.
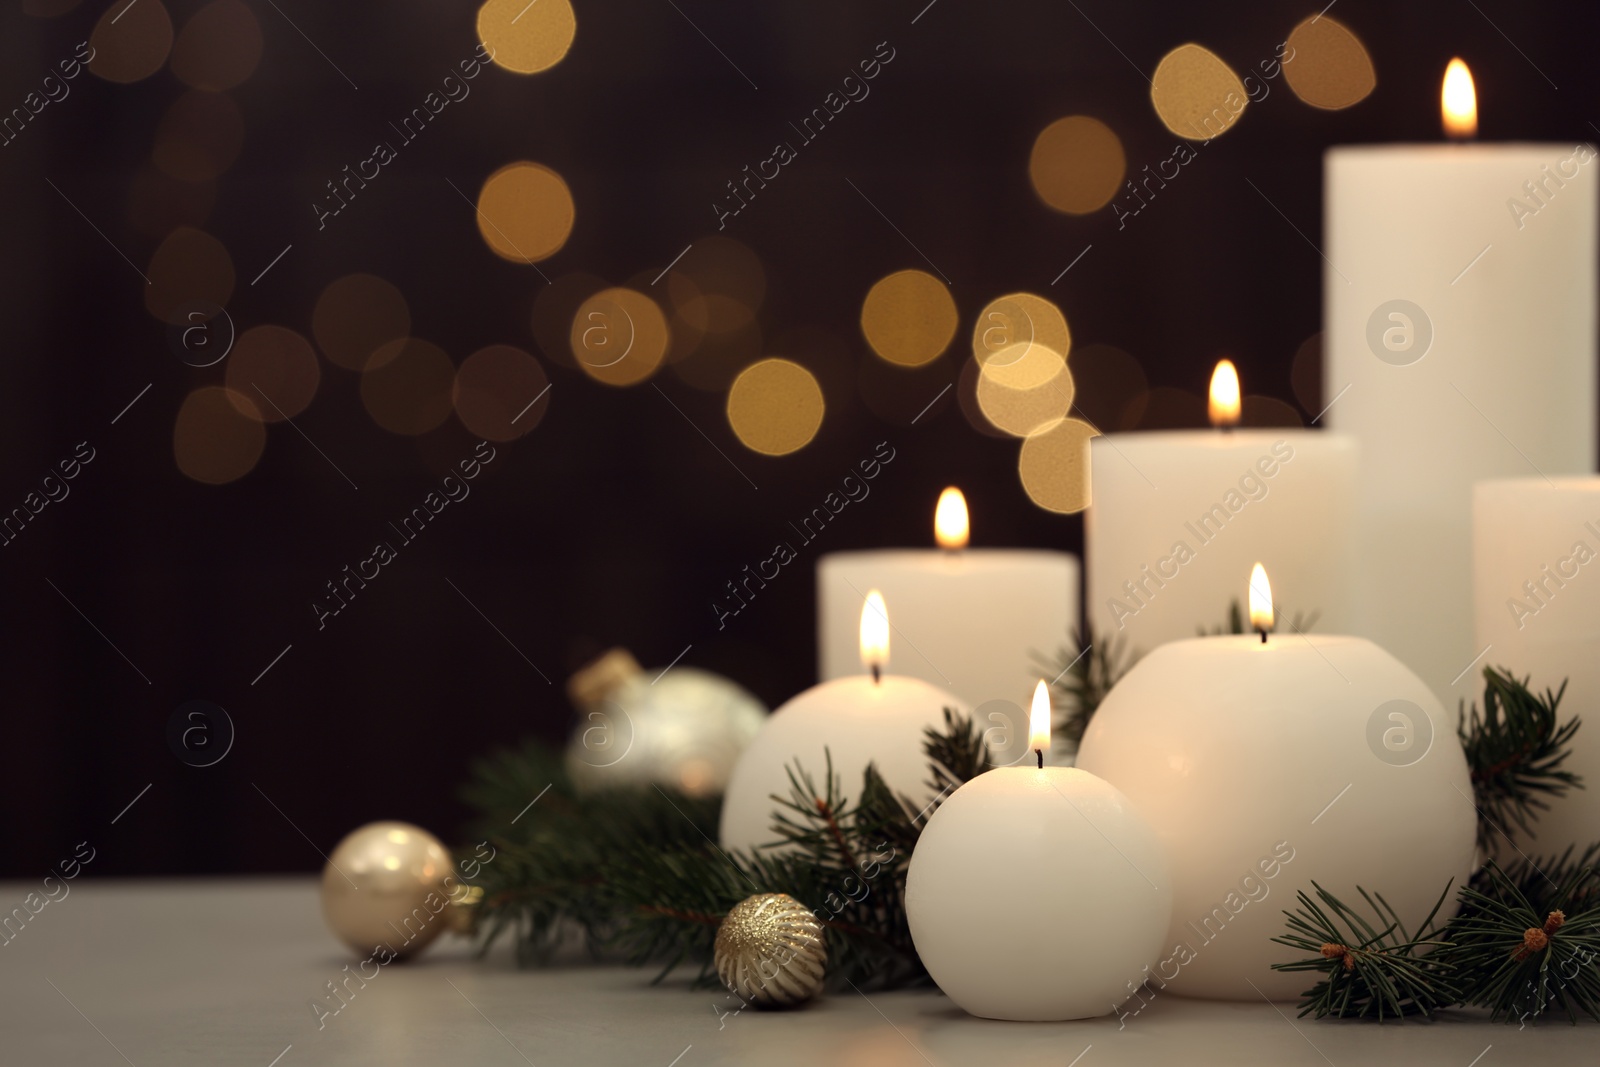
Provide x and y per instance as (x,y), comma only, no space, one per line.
(875,718)
(1265,764)
(1085,881)
(1178,516)
(969,620)
(1536,593)
(1460,296)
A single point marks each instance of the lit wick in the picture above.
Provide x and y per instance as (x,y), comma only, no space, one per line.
(950,523)
(1223,406)
(874,635)
(1039,722)
(1261,617)
(1458,103)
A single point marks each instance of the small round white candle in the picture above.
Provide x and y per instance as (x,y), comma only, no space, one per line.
(1084,880)
(875,718)
(1265,764)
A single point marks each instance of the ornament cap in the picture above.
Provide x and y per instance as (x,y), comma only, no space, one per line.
(596,681)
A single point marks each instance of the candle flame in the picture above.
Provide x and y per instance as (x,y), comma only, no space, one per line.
(1225,394)
(950,526)
(1458,101)
(1039,720)
(874,633)
(1260,600)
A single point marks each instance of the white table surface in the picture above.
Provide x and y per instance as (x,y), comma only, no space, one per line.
(223,972)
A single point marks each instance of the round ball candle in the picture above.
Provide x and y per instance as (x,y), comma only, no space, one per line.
(1460,346)
(1536,590)
(971,620)
(1179,515)
(1087,891)
(874,718)
(1267,763)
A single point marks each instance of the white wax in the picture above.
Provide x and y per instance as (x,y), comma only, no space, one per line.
(1086,891)
(1179,518)
(1536,589)
(1506,389)
(1264,767)
(857,721)
(970,621)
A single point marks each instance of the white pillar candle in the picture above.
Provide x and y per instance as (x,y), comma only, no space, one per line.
(1536,592)
(1178,516)
(968,620)
(875,718)
(1265,764)
(1460,297)
(1084,878)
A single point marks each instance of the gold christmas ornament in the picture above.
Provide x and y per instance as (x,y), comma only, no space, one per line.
(680,728)
(385,886)
(770,951)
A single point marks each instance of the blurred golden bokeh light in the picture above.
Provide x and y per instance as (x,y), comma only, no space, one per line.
(199,137)
(1023,388)
(190,265)
(527,36)
(276,369)
(214,440)
(525,212)
(408,386)
(1054,466)
(131,41)
(909,318)
(1195,94)
(355,316)
(500,392)
(1077,164)
(1012,322)
(1331,67)
(775,407)
(219,48)
(619,336)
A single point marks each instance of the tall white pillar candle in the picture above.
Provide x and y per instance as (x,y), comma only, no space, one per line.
(1460,305)
(1178,516)
(968,620)
(1536,598)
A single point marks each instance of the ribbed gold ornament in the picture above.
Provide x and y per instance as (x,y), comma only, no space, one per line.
(770,951)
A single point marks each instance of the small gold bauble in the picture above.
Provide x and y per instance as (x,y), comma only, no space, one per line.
(385,887)
(770,951)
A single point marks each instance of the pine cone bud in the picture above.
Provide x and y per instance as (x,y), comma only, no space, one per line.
(1554,922)
(1533,940)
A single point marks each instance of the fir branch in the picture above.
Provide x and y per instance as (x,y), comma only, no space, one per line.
(1370,969)
(637,871)
(1520,960)
(1515,749)
(1084,673)
(1539,878)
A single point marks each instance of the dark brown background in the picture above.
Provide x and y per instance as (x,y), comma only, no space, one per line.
(615,521)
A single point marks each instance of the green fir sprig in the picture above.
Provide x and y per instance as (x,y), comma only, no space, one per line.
(1515,750)
(1084,672)
(638,873)
(1370,969)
